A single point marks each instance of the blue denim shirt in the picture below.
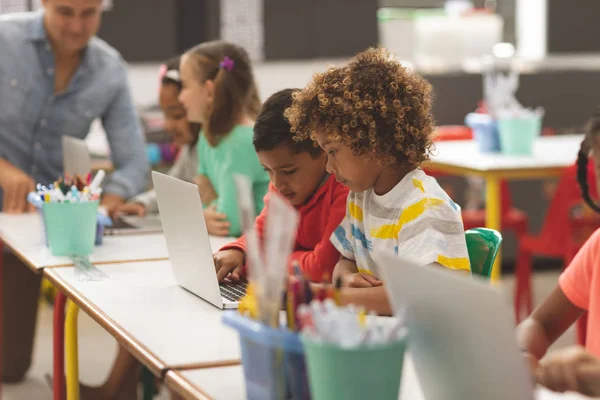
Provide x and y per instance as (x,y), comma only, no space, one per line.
(33,119)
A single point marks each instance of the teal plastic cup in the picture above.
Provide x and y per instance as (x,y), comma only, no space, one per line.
(70,227)
(518,135)
(367,372)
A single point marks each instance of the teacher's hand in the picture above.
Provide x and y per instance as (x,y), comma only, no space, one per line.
(15,185)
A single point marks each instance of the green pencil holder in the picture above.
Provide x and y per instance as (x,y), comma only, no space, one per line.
(369,372)
(518,135)
(70,227)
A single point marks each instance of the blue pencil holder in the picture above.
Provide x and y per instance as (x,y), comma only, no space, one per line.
(273,360)
(485,132)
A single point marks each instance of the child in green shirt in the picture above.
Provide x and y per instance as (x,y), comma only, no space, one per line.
(219,91)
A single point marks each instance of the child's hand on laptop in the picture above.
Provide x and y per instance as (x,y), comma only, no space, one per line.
(570,369)
(130,209)
(216,222)
(229,264)
(361,280)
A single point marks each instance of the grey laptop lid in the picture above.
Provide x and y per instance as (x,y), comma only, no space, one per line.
(76,157)
(461,333)
(188,242)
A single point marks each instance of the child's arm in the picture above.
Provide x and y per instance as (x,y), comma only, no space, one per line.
(547,323)
(344,268)
(565,304)
(372,298)
(206,189)
(232,257)
(570,369)
(323,258)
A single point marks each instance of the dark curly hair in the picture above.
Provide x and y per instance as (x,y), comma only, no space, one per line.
(374,105)
(592,133)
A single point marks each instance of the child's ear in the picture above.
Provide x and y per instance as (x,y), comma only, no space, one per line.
(210,88)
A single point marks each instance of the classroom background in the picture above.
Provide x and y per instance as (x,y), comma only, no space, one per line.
(552,44)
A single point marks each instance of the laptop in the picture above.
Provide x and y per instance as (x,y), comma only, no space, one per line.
(76,157)
(188,243)
(134,225)
(461,333)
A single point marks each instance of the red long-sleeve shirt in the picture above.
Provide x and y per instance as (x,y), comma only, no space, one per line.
(318,219)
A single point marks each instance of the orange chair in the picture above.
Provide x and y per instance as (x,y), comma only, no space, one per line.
(562,235)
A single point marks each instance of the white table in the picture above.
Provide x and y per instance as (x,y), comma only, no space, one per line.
(227,383)
(552,154)
(161,324)
(23,234)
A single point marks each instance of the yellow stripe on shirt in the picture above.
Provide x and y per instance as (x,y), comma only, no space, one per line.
(355,211)
(409,214)
(418,184)
(459,264)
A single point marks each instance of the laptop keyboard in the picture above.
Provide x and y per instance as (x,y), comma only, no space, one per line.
(233,291)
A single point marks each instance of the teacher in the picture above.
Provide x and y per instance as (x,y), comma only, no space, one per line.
(56,77)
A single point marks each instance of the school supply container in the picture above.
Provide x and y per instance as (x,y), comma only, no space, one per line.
(355,373)
(518,133)
(70,227)
(485,132)
(273,360)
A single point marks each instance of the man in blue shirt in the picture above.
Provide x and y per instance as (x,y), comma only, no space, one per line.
(56,77)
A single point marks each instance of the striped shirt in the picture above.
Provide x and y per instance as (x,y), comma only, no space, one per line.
(416,220)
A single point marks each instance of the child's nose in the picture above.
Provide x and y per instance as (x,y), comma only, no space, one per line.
(329,166)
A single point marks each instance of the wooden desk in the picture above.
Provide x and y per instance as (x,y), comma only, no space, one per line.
(552,154)
(160,323)
(227,383)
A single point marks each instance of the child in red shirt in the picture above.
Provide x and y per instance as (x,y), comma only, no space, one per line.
(297,172)
(578,290)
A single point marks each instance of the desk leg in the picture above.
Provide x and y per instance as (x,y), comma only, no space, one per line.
(58,370)
(72,357)
(493,218)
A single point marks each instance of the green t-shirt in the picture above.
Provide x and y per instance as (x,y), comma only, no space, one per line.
(233,155)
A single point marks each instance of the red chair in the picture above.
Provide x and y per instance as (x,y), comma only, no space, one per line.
(562,235)
(452,132)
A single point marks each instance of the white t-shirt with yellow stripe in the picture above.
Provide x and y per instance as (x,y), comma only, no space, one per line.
(416,219)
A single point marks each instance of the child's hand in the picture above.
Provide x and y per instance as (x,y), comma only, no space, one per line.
(216,222)
(361,280)
(110,202)
(229,261)
(532,363)
(570,369)
(130,209)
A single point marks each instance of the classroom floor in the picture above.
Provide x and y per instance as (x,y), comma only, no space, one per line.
(97,349)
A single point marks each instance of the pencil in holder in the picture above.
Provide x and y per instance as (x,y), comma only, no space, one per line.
(70,227)
(273,360)
(357,373)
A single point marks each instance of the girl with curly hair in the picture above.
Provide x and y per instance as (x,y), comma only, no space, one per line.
(373,119)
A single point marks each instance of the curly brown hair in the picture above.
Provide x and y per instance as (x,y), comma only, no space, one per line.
(373,104)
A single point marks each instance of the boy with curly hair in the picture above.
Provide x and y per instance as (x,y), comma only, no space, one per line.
(373,119)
